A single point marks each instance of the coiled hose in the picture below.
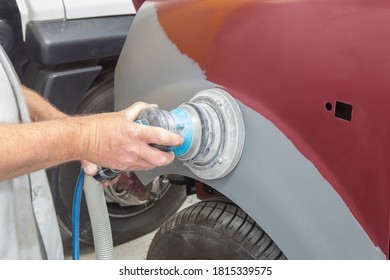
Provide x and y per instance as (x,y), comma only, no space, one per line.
(98,214)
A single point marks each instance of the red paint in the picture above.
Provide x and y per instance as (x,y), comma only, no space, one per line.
(286,60)
(138,4)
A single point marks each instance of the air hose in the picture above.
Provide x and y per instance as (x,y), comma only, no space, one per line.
(98,213)
(76,216)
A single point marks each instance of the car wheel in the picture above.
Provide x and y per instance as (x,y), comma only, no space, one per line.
(130,218)
(212,230)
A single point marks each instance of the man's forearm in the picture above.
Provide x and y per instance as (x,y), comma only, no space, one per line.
(40,109)
(29,147)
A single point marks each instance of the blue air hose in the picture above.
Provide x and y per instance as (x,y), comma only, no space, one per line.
(76,216)
(98,213)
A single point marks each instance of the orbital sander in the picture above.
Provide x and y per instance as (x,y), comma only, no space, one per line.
(212,126)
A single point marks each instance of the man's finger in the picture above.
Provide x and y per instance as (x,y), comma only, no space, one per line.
(89,167)
(160,136)
(134,110)
(156,157)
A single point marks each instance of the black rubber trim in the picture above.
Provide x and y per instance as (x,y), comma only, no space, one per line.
(65,89)
(58,42)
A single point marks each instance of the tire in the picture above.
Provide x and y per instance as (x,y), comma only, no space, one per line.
(212,230)
(127,223)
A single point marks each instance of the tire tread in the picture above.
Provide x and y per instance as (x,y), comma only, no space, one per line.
(228,220)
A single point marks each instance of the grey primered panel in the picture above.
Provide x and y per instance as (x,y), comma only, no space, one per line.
(58,42)
(273,182)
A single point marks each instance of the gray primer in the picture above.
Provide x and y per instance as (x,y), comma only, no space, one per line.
(273,182)
(149,69)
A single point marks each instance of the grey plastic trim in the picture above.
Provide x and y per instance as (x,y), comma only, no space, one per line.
(65,89)
(58,42)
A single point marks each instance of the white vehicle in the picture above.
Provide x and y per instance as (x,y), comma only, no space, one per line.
(67,50)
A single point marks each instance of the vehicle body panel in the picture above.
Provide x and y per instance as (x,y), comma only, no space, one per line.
(97,8)
(49,10)
(316,182)
(41,10)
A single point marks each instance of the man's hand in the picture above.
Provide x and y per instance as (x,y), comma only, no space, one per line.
(113,140)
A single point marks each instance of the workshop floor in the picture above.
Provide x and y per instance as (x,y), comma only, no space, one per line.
(132,250)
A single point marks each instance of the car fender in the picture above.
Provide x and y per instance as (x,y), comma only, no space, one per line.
(282,188)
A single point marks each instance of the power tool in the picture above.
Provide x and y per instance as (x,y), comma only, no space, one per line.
(213,130)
